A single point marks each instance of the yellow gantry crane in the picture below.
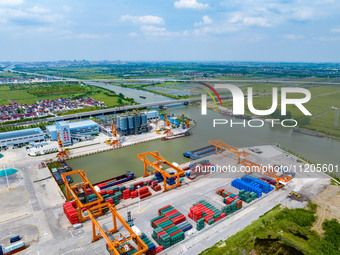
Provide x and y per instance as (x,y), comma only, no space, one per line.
(62,154)
(157,165)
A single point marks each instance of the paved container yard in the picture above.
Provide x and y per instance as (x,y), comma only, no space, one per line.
(34,205)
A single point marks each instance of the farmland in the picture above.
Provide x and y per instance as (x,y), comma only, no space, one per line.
(31,93)
(286,230)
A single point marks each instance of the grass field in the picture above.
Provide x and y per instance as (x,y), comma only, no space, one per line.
(323,99)
(291,228)
(31,93)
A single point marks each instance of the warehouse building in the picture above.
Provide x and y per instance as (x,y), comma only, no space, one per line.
(69,130)
(21,137)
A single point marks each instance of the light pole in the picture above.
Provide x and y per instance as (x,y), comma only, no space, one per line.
(139,196)
(6,177)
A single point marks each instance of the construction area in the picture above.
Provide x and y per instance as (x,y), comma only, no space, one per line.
(173,209)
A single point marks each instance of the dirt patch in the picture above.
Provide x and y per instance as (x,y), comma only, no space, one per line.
(328,202)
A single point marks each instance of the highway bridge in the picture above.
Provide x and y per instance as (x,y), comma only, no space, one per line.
(160,104)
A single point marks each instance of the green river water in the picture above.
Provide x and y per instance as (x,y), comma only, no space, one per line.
(106,165)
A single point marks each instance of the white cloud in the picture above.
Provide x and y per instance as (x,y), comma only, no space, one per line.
(27,17)
(293,37)
(241,19)
(205,21)
(149,19)
(190,4)
(160,31)
(11,2)
(133,34)
(335,30)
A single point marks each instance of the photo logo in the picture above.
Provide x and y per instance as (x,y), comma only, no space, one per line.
(238,108)
(239,98)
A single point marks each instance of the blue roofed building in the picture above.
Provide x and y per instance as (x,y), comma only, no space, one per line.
(69,130)
(21,137)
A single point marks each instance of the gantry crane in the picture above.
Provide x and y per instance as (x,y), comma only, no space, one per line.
(79,191)
(251,166)
(157,165)
(62,154)
(113,246)
(220,147)
(168,126)
(115,142)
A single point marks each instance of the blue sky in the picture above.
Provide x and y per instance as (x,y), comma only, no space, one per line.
(174,30)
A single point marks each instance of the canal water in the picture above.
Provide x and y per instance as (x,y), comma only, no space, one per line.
(102,166)
(132,93)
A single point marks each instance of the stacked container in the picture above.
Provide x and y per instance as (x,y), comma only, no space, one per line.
(202,209)
(126,194)
(200,224)
(240,184)
(169,226)
(70,213)
(151,246)
(265,187)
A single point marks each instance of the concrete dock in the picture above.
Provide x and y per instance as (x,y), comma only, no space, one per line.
(33,205)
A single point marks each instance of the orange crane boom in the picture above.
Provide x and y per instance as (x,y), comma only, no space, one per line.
(112,245)
(115,142)
(74,191)
(168,126)
(62,153)
(264,170)
(157,165)
(220,147)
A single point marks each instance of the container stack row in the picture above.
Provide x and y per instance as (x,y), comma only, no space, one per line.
(240,184)
(169,226)
(204,210)
(247,196)
(150,244)
(70,213)
(265,187)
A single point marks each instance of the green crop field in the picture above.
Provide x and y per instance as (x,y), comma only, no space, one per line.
(281,231)
(31,93)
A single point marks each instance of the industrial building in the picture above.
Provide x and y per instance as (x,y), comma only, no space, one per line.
(133,123)
(152,114)
(69,130)
(21,137)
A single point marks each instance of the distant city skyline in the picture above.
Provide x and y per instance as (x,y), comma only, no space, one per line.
(171,30)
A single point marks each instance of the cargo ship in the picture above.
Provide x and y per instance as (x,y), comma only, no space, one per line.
(115,181)
(306,132)
(176,136)
(201,152)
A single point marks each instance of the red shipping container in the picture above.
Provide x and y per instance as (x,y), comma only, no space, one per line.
(239,203)
(176,232)
(161,233)
(178,219)
(222,215)
(110,200)
(162,208)
(109,192)
(168,214)
(229,200)
(145,195)
(167,227)
(159,249)
(102,192)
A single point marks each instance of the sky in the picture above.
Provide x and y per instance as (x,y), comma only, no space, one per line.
(170,30)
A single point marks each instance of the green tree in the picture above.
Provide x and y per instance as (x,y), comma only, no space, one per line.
(302,120)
